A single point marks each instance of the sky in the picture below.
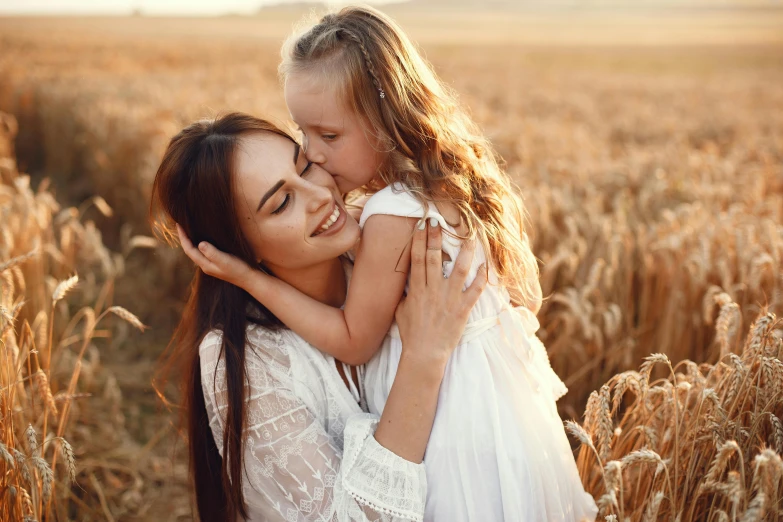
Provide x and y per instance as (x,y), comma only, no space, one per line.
(219,7)
(161,7)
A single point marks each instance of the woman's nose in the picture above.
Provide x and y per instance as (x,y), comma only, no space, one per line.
(320,195)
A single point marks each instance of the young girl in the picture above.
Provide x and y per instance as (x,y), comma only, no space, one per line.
(373,114)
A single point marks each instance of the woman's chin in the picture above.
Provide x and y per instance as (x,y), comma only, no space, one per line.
(349,236)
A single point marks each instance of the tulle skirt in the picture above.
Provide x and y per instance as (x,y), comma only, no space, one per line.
(498,450)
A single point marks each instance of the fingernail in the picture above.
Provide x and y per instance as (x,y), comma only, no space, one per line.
(202,246)
(433,222)
(422,224)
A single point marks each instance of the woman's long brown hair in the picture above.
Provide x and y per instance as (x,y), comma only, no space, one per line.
(193,187)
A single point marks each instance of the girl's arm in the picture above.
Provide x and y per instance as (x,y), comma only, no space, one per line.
(354,334)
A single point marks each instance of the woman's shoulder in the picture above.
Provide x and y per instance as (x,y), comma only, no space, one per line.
(210,345)
(268,353)
(256,337)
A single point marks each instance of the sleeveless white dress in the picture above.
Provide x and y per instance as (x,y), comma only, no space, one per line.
(498,450)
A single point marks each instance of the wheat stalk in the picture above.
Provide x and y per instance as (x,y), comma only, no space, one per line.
(31,223)
(756,508)
(27,504)
(651,513)
(63,287)
(70,460)
(42,383)
(46,475)
(18,260)
(127,316)
(32,440)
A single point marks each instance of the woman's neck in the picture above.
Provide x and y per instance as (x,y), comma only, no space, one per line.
(324,282)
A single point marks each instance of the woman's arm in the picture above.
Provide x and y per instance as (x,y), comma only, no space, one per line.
(293,468)
(431,319)
(352,334)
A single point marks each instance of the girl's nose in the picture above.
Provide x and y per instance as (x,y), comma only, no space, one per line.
(314,153)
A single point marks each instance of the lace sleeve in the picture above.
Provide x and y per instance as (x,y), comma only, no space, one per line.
(294,471)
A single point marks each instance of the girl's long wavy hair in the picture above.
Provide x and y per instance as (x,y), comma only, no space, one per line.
(433,146)
(193,187)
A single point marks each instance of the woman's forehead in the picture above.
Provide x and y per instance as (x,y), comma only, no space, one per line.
(264,158)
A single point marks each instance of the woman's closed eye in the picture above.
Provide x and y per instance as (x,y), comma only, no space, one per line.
(287,198)
(282,205)
(328,137)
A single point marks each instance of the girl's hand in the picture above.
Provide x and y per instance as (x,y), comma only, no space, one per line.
(214,262)
(432,317)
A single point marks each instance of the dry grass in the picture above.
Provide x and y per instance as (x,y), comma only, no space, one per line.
(58,405)
(653,176)
(702,443)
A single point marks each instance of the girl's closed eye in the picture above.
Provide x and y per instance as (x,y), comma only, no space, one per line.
(328,137)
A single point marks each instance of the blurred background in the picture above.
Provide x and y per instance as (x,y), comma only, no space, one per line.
(645,135)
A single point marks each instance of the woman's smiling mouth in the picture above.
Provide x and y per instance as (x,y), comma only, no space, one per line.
(328,224)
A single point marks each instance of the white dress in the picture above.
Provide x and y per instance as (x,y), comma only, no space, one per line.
(498,450)
(310,453)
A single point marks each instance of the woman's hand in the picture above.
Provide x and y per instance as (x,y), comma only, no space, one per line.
(432,317)
(214,262)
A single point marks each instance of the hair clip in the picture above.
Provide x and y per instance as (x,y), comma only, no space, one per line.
(383,94)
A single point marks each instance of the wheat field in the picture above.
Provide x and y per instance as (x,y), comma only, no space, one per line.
(649,150)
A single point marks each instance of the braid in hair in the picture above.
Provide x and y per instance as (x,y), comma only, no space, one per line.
(370,67)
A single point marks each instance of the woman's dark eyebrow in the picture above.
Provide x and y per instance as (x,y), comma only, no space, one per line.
(276,187)
(270,193)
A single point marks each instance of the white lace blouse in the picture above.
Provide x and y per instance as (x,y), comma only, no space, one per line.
(309,450)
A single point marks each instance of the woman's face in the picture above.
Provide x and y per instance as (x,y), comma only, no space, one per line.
(289,209)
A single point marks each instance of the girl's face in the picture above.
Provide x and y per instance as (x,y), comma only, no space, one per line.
(289,208)
(335,137)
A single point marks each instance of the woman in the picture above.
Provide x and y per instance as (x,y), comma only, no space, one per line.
(282,421)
